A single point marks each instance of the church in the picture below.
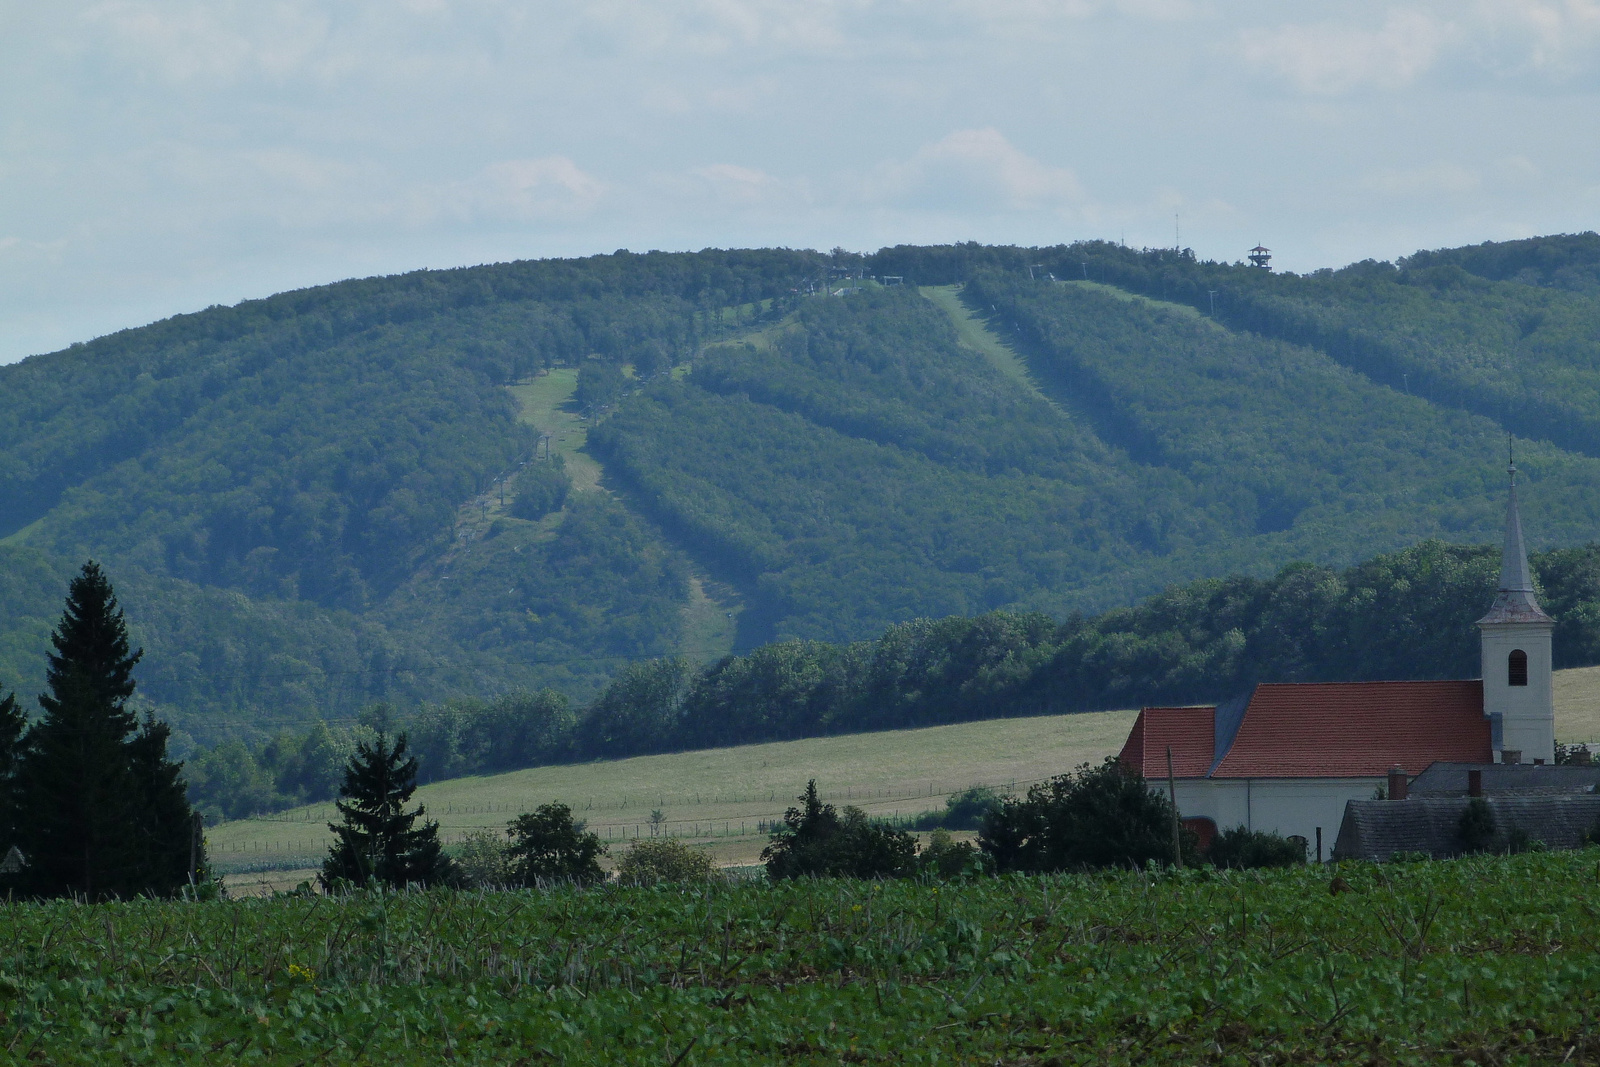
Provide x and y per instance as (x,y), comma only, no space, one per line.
(1286,758)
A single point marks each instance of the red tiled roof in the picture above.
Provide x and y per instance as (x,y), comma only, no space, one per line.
(1187,730)
(1357,729)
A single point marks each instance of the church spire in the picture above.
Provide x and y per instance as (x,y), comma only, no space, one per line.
(1514,602)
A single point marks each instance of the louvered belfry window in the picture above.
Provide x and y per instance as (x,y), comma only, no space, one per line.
(1517,668)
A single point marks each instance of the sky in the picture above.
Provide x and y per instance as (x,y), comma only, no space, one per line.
(162,156)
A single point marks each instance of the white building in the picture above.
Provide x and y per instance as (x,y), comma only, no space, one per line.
(1286,758)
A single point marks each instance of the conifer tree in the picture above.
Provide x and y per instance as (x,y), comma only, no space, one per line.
(13,727)
(165,821)
(103,809)
(378,838)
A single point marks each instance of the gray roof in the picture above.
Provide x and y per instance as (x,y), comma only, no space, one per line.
(1377,829)
(1514,602)
(1443,779)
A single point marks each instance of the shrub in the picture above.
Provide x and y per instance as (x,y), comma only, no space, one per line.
(945,857)
(541,489)
(1098,817)
(1519,841)
(963,811)
(548,845)
(817,841)
(484,860)
(664,859)
(1476,828)
(1240,848)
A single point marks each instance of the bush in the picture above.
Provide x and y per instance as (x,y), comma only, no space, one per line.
(663,859)
(1476,828)
(945,857)
(817,841)
(1098,817)
(484,860)
(1240,848)
(541,489)
(963,811)
(548,845)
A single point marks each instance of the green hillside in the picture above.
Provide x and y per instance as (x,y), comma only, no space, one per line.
(475,482)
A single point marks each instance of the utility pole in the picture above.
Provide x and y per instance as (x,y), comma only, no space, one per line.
(197,829)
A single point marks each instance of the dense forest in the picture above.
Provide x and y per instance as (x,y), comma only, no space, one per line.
(1405,615)
(352,495)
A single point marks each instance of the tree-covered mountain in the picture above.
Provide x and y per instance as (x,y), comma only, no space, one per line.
(476,482)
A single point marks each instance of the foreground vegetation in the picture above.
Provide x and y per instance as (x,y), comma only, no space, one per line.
(1487,960)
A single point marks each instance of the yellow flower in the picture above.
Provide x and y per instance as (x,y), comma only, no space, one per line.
(305,974)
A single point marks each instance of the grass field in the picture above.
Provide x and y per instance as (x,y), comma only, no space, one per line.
(977,336)
(1486,960)
(545,401)
(721,797)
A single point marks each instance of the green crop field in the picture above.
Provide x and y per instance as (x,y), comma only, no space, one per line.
(1482,960)
(719,797)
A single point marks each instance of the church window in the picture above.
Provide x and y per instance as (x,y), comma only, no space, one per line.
(1517,668)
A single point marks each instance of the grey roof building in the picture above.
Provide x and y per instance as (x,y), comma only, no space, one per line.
(1377,829)
(1444,779)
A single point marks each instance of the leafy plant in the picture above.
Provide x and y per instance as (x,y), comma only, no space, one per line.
(548,845)
(817,841)
(1096,817)
(1242,849)
(484,860)
(540,489)
(1476,827)
(654,860)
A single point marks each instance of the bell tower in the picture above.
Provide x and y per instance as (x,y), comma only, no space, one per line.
(1515,640)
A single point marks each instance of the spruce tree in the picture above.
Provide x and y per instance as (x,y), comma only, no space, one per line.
(165,844)
(378,839)
(102,808)
(13,727)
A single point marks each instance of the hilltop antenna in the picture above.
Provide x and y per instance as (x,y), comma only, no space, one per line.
(1177,239)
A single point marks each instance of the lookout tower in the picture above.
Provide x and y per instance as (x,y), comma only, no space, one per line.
(1515,641)
(1261,257)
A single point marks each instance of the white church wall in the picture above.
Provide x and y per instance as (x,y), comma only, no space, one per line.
(1287,806)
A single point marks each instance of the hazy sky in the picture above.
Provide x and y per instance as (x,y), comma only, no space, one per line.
(158,157)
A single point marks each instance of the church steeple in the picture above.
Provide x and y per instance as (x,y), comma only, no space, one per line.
(1515,601)
(1518,695)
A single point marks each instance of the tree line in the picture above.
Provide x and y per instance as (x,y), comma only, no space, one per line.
(1405,615)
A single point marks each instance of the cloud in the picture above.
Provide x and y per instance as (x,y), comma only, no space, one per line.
(1552,37)
(976,169)
(745,186)
(546,189)
(214,42)
(1436,179)
(1329,58)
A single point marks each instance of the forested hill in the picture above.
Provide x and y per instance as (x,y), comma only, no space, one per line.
(525,475)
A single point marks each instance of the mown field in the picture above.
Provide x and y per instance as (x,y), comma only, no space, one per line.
(725,798)
(722,798)
(1482,960)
